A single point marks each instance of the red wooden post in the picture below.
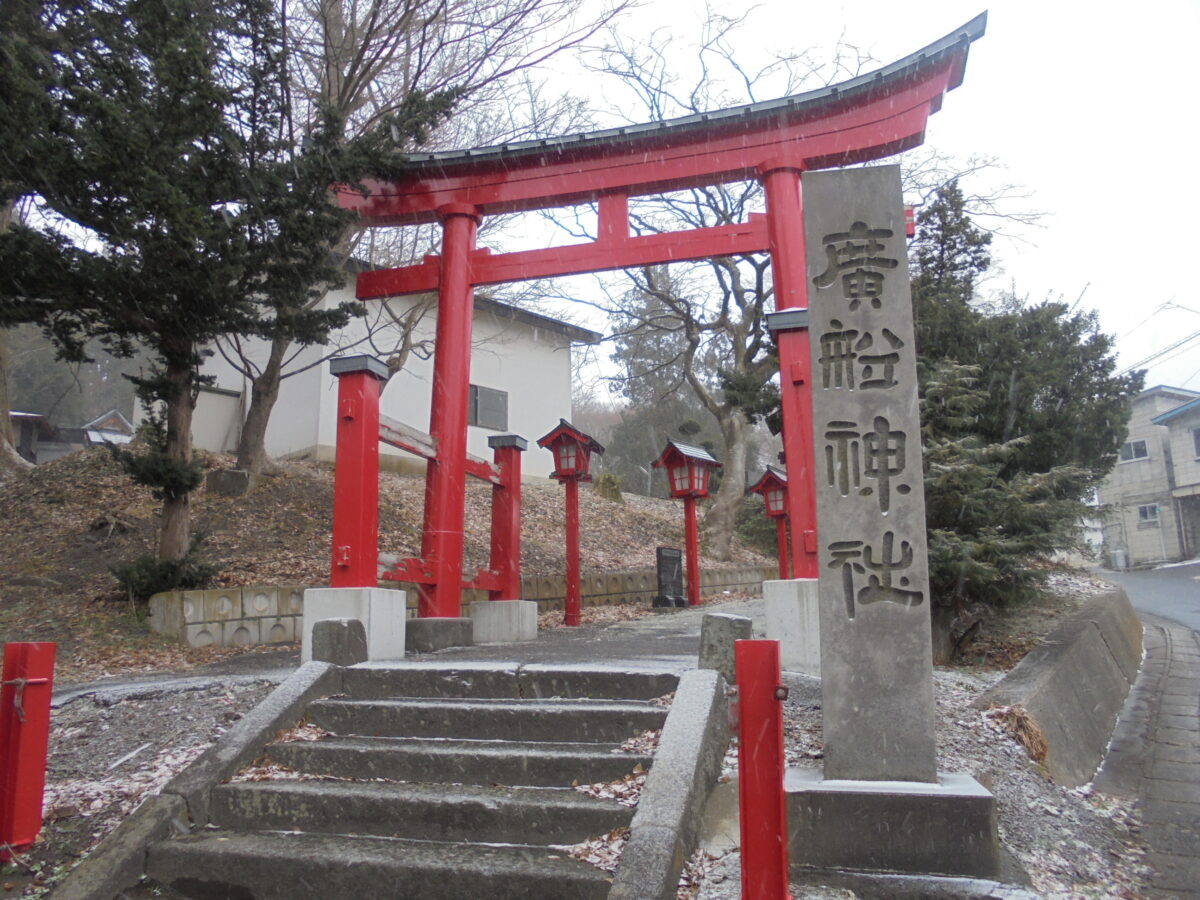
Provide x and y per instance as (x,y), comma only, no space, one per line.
(781,543)
(785,227)
(28,683)
(446,488)
(506,515)
(760,770)
(356,472)
(691,535)
(572,602)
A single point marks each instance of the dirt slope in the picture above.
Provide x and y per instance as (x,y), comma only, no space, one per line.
(64,524)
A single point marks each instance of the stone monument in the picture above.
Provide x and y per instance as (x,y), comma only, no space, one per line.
(880,787)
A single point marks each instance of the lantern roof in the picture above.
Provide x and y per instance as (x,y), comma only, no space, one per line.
(676,451)
(566,429)
(773,477)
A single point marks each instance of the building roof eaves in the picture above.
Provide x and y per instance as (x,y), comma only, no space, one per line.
(1164,418)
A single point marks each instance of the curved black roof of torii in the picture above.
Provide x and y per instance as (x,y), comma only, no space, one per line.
(793,107)
(869,117)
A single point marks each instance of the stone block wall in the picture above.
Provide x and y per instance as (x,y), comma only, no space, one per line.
(241,616)
(230,617)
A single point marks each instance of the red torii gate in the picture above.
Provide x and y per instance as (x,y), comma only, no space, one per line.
(869,117)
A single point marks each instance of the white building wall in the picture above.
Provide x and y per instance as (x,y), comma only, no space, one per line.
(531,364)
(1144,482)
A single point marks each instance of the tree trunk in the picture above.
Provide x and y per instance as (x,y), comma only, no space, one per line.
(721,521)
(175,537)
(264,391)
(10,459)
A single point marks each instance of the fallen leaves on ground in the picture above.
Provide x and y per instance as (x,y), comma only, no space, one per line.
(63,524)
(646,742)
(1016,722)
(696,871)
(603,852)
(626,790)
(304,731)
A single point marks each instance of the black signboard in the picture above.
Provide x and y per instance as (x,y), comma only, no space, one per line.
(670,577)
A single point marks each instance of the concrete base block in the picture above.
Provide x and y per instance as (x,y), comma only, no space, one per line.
(381,611)
(504,621)
(428,635)
(793,620)
(718,631)
(947,828)
(342,642)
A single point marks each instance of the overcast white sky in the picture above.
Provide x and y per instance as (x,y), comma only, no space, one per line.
(1092,108)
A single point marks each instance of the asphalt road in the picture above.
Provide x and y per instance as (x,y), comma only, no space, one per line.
(1172,592)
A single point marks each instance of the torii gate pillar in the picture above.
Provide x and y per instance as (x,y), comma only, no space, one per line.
(785,234)
(445,479)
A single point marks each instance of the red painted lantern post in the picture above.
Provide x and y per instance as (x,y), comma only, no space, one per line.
(506,515)
(688,469)
(356,472)
(28,682)
(773,488)
(572,461)
(763,808)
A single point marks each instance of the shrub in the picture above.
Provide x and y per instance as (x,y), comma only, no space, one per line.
(608,486)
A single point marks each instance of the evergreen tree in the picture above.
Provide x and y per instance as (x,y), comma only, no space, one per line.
(1022,413)
(173,205)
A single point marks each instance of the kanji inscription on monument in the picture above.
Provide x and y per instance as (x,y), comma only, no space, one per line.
(876,660)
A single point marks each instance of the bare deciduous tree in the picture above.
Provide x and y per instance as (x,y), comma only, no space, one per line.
(363,59)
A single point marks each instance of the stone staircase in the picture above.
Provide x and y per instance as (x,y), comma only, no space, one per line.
(459,786)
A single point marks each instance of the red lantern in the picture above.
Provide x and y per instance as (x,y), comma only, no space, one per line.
(572,451)
(688,469)
(773,487)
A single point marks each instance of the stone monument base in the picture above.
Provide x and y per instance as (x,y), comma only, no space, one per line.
(381,611)
(793,620)
(504,621)
(430,634)
(948,828)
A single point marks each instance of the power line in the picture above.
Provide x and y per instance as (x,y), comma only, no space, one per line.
(1153,356)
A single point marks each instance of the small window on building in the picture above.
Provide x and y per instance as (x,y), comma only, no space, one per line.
(488,408)
(1132,450)
(1148,516)
(1196,441)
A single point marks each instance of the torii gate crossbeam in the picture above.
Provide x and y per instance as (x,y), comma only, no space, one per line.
(870,117)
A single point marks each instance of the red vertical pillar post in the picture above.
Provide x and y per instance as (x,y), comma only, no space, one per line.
(691,538)
(785,226)
(781,542)
(506,515)
(763,811)
(28,682)
(573,600)
(356,472)
(445,482)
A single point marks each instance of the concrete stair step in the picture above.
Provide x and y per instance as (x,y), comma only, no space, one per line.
(539,763)
(432,812)
(378,680)
(508,720)
(285,866)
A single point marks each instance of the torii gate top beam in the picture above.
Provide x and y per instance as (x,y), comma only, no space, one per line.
(869,117)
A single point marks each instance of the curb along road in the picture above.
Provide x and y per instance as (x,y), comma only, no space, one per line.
(1155,756)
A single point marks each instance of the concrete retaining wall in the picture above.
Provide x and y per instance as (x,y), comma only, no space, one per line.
(233,617)
(1075,684)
